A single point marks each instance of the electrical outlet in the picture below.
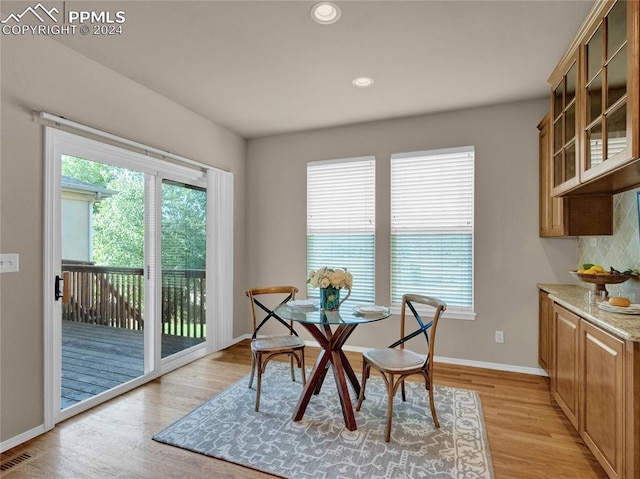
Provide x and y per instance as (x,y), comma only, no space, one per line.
(8,263)
(500,337)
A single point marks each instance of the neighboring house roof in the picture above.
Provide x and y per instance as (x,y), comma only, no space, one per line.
(72,184)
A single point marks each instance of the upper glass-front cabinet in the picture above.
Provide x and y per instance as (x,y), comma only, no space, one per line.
(595,103)
(606,88)
(565,171)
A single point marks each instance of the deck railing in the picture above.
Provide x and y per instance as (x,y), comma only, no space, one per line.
(183,303)
(113,296)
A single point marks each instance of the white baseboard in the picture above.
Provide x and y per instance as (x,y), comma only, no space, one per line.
(461,362)
(495,366)
(20,438)
(238,339)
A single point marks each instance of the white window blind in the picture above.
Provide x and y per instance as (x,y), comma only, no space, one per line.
(341,222)
(432,225)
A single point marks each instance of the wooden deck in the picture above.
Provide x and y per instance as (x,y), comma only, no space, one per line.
(97,358)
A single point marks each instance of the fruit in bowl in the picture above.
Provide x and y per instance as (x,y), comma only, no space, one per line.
(593,269)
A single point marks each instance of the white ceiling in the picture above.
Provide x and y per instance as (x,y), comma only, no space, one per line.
(263,67)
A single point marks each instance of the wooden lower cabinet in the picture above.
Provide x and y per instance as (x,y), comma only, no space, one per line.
(601,406)
(545,323)
(564,380)
(595,379)
(632,410)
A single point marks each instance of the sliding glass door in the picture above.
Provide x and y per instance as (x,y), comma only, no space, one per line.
(184,236)
(103,313)
(126,282)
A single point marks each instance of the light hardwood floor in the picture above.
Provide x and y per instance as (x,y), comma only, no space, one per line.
(529,436)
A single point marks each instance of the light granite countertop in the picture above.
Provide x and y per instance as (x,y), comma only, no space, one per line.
(571,296)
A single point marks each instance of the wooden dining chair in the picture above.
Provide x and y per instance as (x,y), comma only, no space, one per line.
(265,348)
(396,363)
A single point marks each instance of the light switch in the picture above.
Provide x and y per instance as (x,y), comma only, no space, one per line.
(8,263)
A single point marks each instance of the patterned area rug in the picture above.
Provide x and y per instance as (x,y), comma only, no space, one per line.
(227,427)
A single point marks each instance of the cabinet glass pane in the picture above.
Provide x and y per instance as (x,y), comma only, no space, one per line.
(594,146)
(594,54)
(570,162)
(616,131)
(570,123)
(558,105)
(616,27)
(557,169)
(571,84)
(557,135)
(594,99)
(617,77)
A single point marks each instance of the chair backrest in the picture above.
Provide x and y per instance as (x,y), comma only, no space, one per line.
(256,297)
(428,329)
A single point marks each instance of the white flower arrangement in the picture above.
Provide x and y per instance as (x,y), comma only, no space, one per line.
(325,277)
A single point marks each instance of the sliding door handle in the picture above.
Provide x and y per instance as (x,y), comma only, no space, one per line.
(58,289)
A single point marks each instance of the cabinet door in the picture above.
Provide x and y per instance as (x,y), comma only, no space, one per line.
(564,120)
(551,209)
(610,99)
(545,311)
(602,396)
(564,380)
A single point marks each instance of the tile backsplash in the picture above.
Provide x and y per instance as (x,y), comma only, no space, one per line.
(622,249)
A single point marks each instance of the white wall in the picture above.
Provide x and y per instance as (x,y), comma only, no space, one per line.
(40,74)
(510,258)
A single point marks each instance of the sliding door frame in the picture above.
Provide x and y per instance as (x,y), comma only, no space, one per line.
(219,265)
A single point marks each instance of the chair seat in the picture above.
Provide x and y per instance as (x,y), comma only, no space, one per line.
(394,360)
(276,343)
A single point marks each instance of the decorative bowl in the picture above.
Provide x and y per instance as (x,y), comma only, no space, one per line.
(606,278)
(601,279)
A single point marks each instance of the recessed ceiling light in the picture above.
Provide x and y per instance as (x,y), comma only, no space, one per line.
(325,13)
(362,82)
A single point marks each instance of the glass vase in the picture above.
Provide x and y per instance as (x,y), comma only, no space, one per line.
(330,298)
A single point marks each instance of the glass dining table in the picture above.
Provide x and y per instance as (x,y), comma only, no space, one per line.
(331,329)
